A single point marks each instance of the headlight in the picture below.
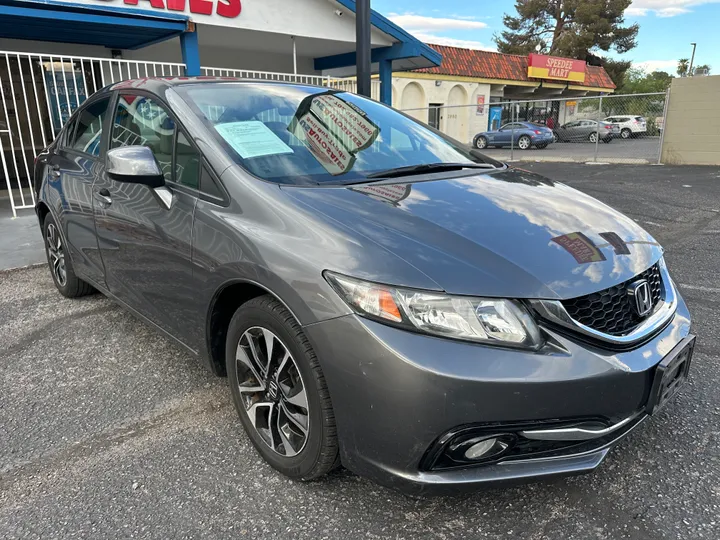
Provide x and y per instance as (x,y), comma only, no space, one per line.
(486,320)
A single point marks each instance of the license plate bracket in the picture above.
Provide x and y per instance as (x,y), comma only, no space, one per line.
(670,374)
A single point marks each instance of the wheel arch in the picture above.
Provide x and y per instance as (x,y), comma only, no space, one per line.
(225,302)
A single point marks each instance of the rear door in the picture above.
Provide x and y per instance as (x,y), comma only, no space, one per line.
(145,234)
(73,169)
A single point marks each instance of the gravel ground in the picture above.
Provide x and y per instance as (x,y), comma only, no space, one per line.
(107,430)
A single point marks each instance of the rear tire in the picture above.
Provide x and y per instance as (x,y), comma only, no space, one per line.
(61,268)
(524,142)
(283,401)
(593,137)
(626,133)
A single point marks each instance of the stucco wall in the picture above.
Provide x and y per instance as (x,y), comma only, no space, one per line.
(460,119)
(692,126)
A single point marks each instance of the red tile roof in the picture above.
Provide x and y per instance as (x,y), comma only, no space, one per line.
(492,65)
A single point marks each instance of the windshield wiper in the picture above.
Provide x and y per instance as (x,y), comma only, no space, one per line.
(428,168)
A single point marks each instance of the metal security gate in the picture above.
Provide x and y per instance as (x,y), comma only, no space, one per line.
(38,93)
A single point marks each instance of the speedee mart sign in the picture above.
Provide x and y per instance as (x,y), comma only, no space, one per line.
(224,8)
(553,67)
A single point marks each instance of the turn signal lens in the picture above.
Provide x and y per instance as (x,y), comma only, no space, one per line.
(368,297)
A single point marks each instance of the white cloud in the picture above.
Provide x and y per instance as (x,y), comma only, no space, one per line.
(420,23)
(664,8)
(453,42)
(653,65)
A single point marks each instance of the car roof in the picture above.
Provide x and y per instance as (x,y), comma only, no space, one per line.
(159,84)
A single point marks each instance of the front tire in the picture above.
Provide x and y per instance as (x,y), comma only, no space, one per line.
(481,143)
(61,267)
(279,390)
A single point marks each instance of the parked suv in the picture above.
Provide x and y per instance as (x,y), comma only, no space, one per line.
(378,295)
(630,126)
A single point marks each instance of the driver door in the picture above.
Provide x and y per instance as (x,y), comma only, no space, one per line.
(145,234)
(503,134)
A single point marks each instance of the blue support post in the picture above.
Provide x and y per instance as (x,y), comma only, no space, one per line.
(190,53)
(386,81)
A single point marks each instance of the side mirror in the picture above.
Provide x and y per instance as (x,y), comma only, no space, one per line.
(134,165)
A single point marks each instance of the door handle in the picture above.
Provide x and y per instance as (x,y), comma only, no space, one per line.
(55,171)
(103,196)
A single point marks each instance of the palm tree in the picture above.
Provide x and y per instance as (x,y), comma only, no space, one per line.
(682,67)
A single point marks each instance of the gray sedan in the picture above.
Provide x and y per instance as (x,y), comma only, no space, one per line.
(586,130)
(378,296)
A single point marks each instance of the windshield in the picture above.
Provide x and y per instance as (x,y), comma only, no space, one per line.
(294,134)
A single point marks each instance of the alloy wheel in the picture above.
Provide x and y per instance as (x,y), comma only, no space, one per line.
(625,133)
(272,391)
(481,142)
(56,254)
(524,143)
(593,137)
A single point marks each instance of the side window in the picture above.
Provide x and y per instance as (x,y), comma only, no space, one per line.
(187,163)
(141,120)
(88,132)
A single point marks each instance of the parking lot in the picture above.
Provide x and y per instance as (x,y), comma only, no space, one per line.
(108,430)
(642,150)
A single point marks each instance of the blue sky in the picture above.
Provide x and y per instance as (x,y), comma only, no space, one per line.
(667,27)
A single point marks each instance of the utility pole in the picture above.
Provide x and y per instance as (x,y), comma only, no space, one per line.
(689,74)
(362,44)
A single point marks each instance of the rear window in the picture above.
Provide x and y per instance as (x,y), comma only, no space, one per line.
(639,119)
(295,134)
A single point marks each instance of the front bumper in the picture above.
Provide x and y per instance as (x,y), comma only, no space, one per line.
(396,393)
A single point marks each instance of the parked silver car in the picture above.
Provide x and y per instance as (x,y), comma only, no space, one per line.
(586,130)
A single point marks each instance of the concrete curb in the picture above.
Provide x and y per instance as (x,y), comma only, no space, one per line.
(26,267)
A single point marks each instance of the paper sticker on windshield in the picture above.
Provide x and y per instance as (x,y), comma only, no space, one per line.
(252,139)
(346,122)
(329,151)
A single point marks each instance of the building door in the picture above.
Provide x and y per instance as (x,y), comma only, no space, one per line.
(434,115)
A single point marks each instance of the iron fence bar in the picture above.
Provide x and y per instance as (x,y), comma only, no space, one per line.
(6,172)
(37,100)
(47,98)
(12,145)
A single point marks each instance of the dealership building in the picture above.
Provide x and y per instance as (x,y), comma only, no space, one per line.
(472,90)
(54,53)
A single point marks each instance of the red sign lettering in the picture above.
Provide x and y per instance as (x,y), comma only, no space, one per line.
(225,8)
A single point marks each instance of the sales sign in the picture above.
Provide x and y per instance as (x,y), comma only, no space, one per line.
(553,67)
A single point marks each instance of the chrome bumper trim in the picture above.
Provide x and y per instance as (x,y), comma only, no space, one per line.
(577,433)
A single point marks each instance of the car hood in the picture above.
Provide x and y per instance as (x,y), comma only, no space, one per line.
(510,233)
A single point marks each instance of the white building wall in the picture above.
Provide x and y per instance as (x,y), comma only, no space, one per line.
(462,122)
(317,19)
(169,51)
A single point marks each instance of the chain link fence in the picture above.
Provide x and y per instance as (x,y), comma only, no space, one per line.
(603,129)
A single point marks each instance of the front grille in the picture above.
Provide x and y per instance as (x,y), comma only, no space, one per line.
(611,311)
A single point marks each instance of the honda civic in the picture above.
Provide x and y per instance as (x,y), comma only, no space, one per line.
(378,296)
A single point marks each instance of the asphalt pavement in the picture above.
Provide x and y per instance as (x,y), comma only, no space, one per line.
(108,430)
(642,150)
